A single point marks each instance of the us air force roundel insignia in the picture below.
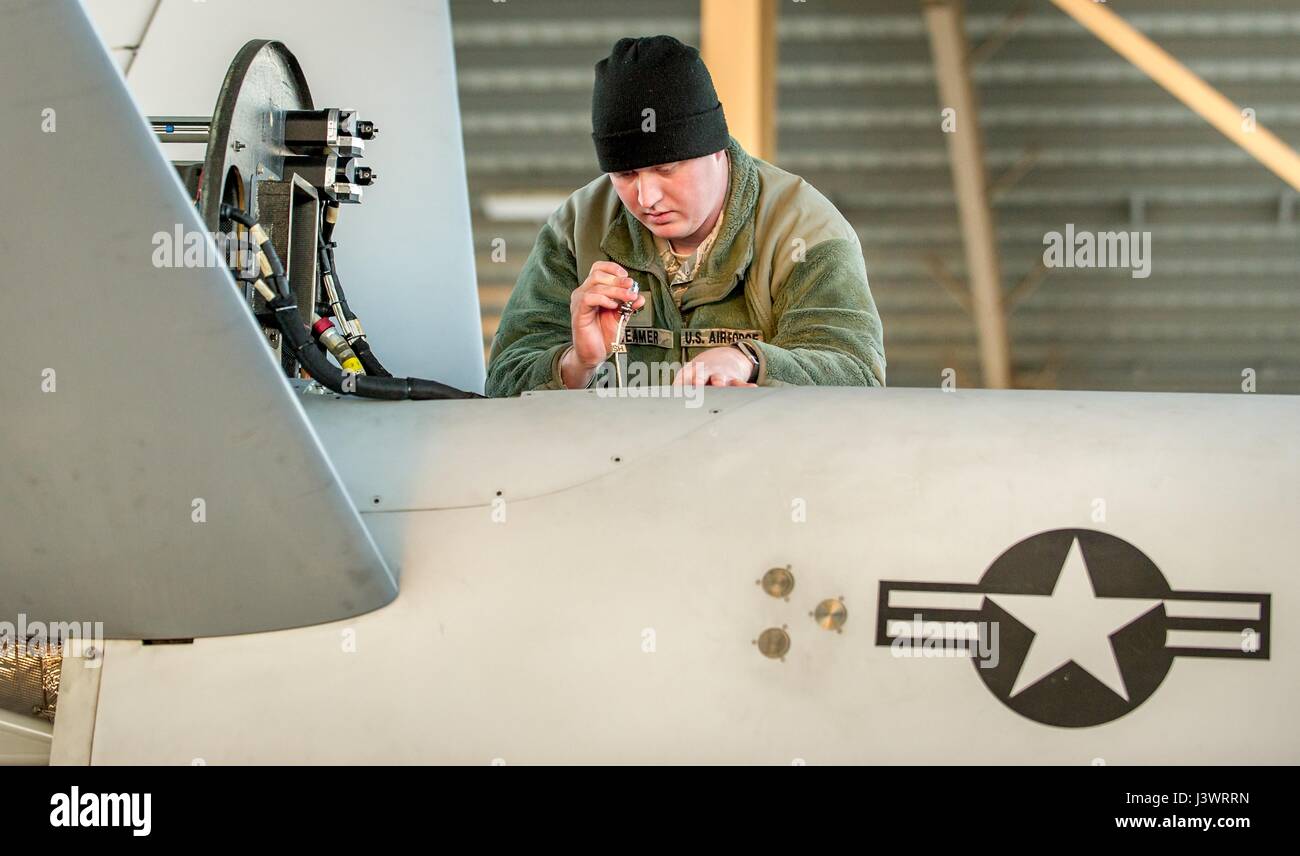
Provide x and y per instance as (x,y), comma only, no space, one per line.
(1071,627)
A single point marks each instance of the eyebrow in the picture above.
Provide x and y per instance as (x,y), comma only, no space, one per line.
(656,166)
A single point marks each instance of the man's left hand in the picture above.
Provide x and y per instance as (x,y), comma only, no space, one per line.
(717,367)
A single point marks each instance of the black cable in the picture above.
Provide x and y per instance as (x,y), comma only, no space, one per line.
(278,279)
(328,217)
(332,378)
(369,361)
(299,338)
(360,345)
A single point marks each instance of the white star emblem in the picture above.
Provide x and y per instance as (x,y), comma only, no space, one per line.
(1072,624)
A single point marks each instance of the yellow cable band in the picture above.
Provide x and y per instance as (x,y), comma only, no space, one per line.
(263,289)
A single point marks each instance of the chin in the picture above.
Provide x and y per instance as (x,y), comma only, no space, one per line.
(668,231)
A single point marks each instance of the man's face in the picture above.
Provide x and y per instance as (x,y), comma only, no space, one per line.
(675,199)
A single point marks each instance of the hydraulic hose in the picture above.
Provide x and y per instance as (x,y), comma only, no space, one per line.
(311,355)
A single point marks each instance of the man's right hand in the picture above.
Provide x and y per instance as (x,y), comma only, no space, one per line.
(593,317)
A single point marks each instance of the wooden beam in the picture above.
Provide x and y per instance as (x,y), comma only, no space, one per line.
(1010,24)
(1018,170)
(738,44)
(939,273)
(943,18)
(1028,285)
(1183,84)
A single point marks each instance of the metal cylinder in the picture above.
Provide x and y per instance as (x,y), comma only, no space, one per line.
(181,129)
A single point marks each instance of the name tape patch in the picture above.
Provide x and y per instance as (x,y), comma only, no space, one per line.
(654,336)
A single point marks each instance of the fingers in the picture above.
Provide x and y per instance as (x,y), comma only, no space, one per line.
(702,374)
(588,300)
(609,279)
(695,374)
(617,287)
(608,297)
(598,300)
(622,291)
(610,268)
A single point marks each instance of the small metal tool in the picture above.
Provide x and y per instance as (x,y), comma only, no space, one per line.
(618,348)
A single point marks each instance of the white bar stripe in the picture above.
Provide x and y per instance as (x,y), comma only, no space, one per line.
(1243,610)
(904,599)
(1227,640)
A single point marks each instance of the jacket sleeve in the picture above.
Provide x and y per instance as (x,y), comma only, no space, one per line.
(828,332)
(535,325)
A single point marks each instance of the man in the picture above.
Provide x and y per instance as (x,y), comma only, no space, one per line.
(740,273)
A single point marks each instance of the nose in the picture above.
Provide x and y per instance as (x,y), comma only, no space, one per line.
(648,191)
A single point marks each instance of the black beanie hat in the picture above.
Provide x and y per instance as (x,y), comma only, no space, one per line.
(664,75)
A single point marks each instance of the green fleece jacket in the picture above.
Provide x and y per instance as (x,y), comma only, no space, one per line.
(785,278)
